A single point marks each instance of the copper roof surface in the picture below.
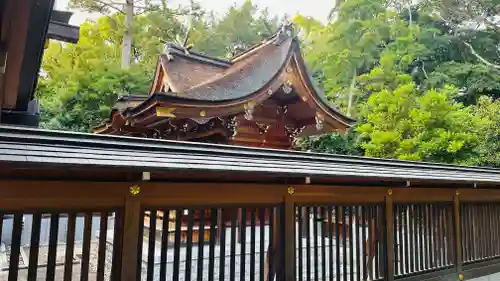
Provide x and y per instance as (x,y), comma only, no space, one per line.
(241,79)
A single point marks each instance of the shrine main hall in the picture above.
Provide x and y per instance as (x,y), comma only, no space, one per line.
(262,97)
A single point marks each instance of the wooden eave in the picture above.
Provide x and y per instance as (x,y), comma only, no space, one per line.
(64,151)
(25,26)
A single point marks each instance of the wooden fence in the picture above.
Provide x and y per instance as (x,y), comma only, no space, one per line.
(201,231)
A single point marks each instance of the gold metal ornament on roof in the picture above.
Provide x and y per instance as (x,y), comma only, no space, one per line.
(291,190)
(319,123)
(203,113)
(165,112)
(287,87)
(249,110)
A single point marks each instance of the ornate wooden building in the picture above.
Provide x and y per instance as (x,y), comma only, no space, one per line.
(262,97)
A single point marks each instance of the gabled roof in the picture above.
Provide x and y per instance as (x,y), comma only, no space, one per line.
(185,79)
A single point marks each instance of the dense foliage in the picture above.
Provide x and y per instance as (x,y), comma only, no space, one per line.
(423,81)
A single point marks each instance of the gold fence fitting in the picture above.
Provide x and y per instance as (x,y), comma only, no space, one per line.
(134,190)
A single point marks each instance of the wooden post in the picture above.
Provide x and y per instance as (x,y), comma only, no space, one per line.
(379,238)
(389,261)
(305,217)
(289,238)
(132,240)
(458,234)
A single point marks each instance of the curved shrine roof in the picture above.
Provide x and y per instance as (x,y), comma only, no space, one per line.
(189,79)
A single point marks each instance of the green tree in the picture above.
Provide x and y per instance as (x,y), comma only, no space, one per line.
(403,124)
(81,82)
(487,112)
(128,16)
(239,29)
(334,143)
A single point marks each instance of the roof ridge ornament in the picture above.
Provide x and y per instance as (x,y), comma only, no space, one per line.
(286,31)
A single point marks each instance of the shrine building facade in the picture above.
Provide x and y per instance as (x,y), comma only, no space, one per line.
(262,97)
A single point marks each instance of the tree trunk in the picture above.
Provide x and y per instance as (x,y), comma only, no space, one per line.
(127,35)
(409,13)
(351,93)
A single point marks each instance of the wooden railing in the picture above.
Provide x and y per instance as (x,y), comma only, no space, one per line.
(200,231)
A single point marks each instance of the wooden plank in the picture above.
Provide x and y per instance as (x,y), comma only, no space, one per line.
(344,243)
(189,244)
(117,245)
(273,242)
(222,243)
(51,260)
(323,244)
(479,195)
(315,243)
(87,233)
(337,239)
(164,245)
(242,238)
(34,246)
(351,245)
(376,193)
(300,265)
(213,236)
(232,258)
(152,245)
(19,19)
(252,243)
(15,247)
(50,195)
(103,230)
(307,218)
(131,233)
(346,199)
(458,234)
(201,243)
(181,194)
(62,189)
(70,247)
(59,203)
(421,195)
(389,260)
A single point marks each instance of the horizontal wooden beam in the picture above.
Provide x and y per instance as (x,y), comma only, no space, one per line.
(63,32)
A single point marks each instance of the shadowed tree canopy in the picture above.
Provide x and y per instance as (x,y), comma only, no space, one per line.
(420,77)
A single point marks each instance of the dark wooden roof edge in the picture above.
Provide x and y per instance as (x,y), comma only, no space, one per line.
(131,97)
(33,146)
(283,28)
(38,25)
(43,23)
(201,57)
(63,32)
